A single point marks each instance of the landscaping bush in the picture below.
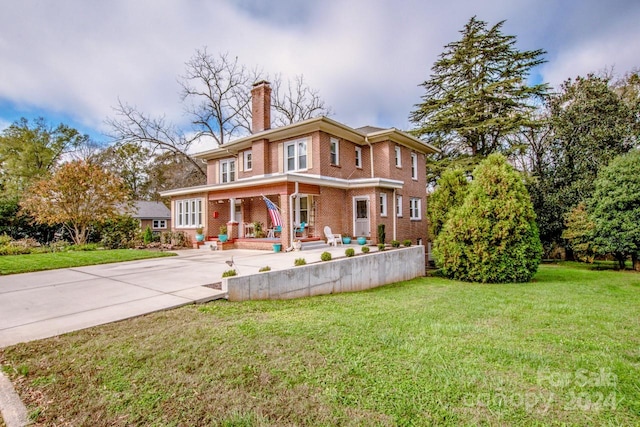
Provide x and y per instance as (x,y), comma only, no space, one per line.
(350,252)
(147,237)
(492,237)
(381,247)
(263,269)
(381,234)
(406,243)
(229,273)
(299,261)
(325,256)
(395,243)
(119,233)
(365,249)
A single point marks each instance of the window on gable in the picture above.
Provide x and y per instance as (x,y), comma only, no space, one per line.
(398,206)
(383,204)
(248,160)
(334,151)
(358,157)
(227,170)
(296,156)
(398,157)
(414,166)
(415,208)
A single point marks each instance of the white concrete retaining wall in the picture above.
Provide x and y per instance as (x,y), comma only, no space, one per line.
(343,275)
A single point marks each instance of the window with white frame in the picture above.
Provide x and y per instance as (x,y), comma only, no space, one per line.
(383,204)
(398,206)
(159,223)
(248,160)
(358,157)
(414,166)
(398,157)
(227,170)
(295,154)
(334,151)
(415,208)
(188,213)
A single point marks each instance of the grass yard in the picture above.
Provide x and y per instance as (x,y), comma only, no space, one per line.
(563,350)
(13,264)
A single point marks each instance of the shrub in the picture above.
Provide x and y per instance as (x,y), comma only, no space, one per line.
(350,252)
(381,234)
(325,256)
(395,243)
(119,232)
(406,243)
(449,194)
(229,273)
(381,247)
(492,237)
(365,249)
(266,268)
(5,239)
(147,237)
(299,261)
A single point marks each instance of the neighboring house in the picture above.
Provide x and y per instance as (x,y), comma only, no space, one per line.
(153,214)
(318,171)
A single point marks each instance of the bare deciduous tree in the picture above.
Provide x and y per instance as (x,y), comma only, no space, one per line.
(296,101)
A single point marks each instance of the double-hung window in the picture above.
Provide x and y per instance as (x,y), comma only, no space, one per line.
(227,170)
(248,160)
(398,206)
(414,166)
(383,204)
(334,151)
(189,213)
(415,208)
(398,157)
(159,223)
(358,157)
(295,154)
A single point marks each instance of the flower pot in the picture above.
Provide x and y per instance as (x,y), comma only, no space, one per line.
(362,240)
(346,240)
(223,237)
(199,237)
(277,247)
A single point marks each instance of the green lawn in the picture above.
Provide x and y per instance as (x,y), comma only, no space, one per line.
(563,350)
(13,264)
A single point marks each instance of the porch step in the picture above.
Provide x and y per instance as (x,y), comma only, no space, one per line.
(209,245)
(313,244)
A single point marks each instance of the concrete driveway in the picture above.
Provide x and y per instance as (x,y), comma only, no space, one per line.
(49,303)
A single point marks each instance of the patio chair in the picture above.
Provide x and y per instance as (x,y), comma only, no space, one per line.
(332,239)
(272,232)
(300,229)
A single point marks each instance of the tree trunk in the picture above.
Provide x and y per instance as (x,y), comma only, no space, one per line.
(636,262)
(621,260)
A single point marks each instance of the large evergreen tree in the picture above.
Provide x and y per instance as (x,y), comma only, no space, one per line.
(493,236)
(477,95)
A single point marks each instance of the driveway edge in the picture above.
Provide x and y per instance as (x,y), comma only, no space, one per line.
(13,410)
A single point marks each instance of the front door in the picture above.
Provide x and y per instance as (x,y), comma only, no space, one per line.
(361,224)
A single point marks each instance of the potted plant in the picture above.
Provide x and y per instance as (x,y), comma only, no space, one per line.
(362,240)
(223,234)
(346,239)
(199,234)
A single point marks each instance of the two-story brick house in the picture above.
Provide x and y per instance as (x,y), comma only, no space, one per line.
(318,171)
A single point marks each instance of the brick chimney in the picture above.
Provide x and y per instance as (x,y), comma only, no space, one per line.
(260,106)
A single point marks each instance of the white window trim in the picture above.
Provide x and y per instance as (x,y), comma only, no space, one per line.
(335,141)
(415,209)
(359,157)
(383,204)
(159,224)
(296,155)
(399,206)
(398,152)
(229,163)
(248,160)
(414,166)
(185,216)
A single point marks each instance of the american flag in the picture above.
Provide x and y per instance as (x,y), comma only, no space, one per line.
(274,213)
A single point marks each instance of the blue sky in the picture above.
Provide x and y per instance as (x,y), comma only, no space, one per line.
(71,60)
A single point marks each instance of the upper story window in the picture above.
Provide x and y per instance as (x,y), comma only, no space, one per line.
(398,157)
(227,170)
(415,205)
(295,156)
(248,160)
(398,206)
(358,157)
(414,166)
(334,151)
(188,213)
(383,204)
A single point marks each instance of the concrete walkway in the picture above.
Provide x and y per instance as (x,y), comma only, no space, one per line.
(49,303)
